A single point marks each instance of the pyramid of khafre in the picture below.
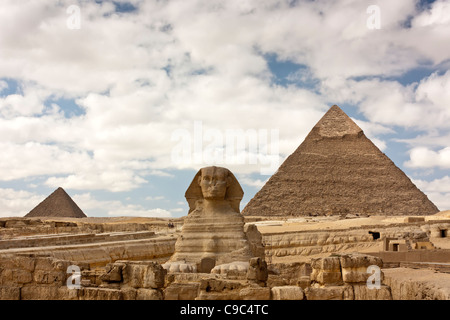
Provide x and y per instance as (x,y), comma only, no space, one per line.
(58,204)
(338,170)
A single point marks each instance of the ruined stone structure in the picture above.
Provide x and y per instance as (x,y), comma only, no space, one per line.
(344,277)
(338,170)
(120,260)
(213,232)
(58,204)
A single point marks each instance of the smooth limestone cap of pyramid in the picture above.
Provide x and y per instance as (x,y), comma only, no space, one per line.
(336,123)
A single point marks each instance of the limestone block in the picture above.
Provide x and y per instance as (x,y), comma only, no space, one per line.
(45,292)
(180,266)
(257,270)
(216,284)
(326,270)
(206,265)
(304,282)
(113,272)
(288,273)
(287,293)
(9,293)
(62,265)
(362,292)
(329,293)
(50,277)
(232,270)
(24,263)
(5,276)
(182,291)
(277,281)
(149,294)
(22,276)
(16,223)
(255,293)
(417,284)
(128,293)
(227,295)
(354,267)
(255,240)
(188,277)
(144,275)
(99,294)
(44,263)
(14,277)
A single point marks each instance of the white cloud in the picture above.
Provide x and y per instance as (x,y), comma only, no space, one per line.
(20,105)
(441,200)
(94,207)
(441,185)
(140,77)
(432,139)
(422,105)
(15,203)
(422,157)
(257,183)
(114,181)
(138,211)
(438,191)
(155,198)
(438,14)
(20,161)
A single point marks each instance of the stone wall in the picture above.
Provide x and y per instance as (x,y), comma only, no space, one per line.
(423,255)
(417,284)
(18,226)
(102,253)
(345,277)
(34,277)
(312,242)
(71,239)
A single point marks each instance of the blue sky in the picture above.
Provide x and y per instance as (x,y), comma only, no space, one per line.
(105,103)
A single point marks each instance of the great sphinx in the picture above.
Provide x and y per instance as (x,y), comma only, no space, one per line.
(213,231)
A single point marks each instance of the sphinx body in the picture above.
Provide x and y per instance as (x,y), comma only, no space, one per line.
(213,231)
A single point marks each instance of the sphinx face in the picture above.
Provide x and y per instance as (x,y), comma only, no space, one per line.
(214,183)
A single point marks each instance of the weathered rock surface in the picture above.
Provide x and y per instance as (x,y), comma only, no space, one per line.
(182,291)
(287,293)
(354,267)
(330,293)
(363,292)
(257,270)
(139,274)
(346,277)
(326,271)
(417,284)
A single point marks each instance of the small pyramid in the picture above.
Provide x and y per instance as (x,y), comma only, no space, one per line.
(58,204)
(338,170)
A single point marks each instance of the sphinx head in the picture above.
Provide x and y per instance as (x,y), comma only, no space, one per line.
(214,183)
